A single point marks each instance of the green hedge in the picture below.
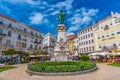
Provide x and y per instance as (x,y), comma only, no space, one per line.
(50,67)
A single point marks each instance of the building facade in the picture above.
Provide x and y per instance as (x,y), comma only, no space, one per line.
(49,42)
(107,33)
(76,52)
(14,34)
(70,42)
(86,40)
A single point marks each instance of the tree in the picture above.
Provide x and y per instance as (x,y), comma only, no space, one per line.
(84,57)
(26,55)
(10,52)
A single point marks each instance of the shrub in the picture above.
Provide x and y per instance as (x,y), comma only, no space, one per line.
(85,57)
(50,67)
(10,63)
(25,61)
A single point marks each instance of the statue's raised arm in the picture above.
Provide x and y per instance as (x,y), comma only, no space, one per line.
(61,17)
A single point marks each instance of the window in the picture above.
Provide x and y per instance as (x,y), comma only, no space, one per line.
(98,37)
(91,34)
(19,37)
(88,35)
(36,35)
(91,28)
(1,31)
(112,34)
(31,32)
(31,46)
(25,30)
(103,36)
(1,22)
(93,48)
(10,25)
(106,27)
(101,27)
(99,46)
(89,42)
(107,35)
(114,44)
(9,33)
(40,36)
(92,41)
(111,23)
(118,32)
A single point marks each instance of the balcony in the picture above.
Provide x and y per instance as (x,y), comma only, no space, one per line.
(4,46)
(37,42)
(108,48)
(2,35)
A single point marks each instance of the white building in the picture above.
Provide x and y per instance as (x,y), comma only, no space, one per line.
(76,46)
(86,40)
(19,36)
(49,42)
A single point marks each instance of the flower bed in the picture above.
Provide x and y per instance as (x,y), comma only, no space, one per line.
(56,67)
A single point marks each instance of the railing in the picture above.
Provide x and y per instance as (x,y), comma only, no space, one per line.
(109,47)
(4,46)
(2,34)
(19,31)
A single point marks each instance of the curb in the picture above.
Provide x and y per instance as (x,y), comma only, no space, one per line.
(61,73)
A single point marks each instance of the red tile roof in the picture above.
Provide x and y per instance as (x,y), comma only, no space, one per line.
(71,36)
(1,15)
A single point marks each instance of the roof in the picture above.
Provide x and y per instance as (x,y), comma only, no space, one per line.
(1,15)
(15,21)
(71,36)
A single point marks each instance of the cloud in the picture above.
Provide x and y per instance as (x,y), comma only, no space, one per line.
(81,17)
(67,5)
(55,12)
(4,8)
(37,18)
(22,1)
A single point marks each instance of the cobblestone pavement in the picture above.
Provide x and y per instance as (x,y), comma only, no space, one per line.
(105,72)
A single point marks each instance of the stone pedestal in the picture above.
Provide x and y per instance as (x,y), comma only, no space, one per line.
(61,50)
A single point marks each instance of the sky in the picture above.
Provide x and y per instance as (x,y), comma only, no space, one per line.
(42,14)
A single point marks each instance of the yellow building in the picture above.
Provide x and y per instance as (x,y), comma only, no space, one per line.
(70,42)
(107,33)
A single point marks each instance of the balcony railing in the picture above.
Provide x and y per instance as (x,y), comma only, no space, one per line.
(109,47)
(4,46)
(37,42)
(2,34)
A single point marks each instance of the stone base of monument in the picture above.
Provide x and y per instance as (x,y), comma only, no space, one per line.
(59,57)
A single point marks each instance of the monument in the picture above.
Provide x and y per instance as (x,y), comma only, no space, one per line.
(61,49)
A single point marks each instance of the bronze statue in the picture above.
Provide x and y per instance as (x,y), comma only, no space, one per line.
(61,17)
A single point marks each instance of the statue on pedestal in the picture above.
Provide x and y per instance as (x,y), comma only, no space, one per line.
(61,50)
(61,17)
